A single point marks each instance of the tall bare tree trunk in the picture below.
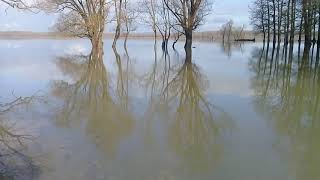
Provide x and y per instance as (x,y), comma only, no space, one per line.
(118,12)
(268,26)
(300,37)
(307,30)
(314,18)
(223,35)
(280,9)
(188,44)
(292,29)
(154,28)
(274,24)
(127,25)
(314,23)
(96,32)
(307,23)
(286,41)
(318,40)
(97,48)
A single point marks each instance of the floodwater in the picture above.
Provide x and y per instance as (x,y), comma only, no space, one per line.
(142,114)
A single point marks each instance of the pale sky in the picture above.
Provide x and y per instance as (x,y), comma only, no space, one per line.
(223,10)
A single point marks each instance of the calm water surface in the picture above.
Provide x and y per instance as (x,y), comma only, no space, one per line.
(142,114)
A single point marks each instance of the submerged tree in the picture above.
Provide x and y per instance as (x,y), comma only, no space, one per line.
(82,18)
(258,17)
(118,11)
(229,32)
(130,15)
(226,31)
(164,23)
(283,20)
(189,15)
(147,8)
(156,15)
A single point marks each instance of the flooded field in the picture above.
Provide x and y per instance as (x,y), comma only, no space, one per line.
(141,114)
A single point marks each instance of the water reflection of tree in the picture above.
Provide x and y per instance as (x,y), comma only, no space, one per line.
(14,163)
(125,76)
(288,93)
(176,92)
(153,82)
(156,79)
(228,47)
(194,131)
(89,99)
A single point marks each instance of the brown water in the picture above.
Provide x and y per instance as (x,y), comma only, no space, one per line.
(142,114)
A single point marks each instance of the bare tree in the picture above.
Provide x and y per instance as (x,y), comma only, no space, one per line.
(118,14)
(229,31)
(20,4)
(189,15)
(238,32)
(83,18)
(164,23)
(130,15)
(148,13)
(71,23)
(223,31)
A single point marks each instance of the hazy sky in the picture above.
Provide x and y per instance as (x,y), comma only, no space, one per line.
(15,20)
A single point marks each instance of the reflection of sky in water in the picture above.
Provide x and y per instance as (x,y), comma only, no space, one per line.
(31,62)
(26,65)
(82,150)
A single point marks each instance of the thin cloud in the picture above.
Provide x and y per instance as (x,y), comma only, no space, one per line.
(11,26)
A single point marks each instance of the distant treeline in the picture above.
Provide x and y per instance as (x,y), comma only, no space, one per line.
(203,36)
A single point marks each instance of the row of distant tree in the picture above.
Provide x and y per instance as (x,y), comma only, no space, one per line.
(284,20)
